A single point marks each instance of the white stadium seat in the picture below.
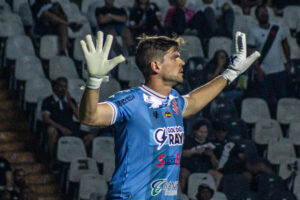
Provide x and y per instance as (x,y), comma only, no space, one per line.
(267,130)
(81,166)
(261,110)
(28,67)
(279,150)
(191,48)
(92,184)
(69,148)
(108,89)
(49,46)
(218,43)
(288,110)
(62,66)
(37,88)
(17,46)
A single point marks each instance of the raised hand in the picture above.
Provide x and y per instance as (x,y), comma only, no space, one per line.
(239,61)
(97,59)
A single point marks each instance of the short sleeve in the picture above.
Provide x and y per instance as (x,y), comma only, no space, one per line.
(282,33)
(123,105)
(46,106)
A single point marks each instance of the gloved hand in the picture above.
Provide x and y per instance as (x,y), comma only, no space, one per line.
(239,61)
(97,64)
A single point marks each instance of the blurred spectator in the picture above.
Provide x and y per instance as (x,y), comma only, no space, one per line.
(51,19)
(214,19)
(6,180)
(197,154)
(112,20)
(57,112)
(215,67)
(271,71)
(145,17)
(5,195)
(204,192)
(19,183)
(236,157)
(179,18)
(27,193)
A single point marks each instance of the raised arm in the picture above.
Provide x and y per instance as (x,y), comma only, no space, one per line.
(201,96)
(90,111)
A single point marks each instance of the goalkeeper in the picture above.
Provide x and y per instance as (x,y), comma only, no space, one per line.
(149,118)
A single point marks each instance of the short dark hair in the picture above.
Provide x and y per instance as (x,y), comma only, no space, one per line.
(258,8)
(61,78)
(200,123)
(154,47)
(220,126)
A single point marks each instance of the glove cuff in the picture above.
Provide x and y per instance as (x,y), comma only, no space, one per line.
(230,75)
(94,83)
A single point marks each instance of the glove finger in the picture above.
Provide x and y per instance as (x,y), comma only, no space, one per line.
(84,48)
(107,45)
(90,43)
(236,42)
(243,44)
(115,61)
(251,59)
(99,41)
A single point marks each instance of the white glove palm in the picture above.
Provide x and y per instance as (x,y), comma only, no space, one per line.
(97,63)
(239,60)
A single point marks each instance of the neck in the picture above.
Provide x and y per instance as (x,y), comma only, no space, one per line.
(158,86)
(265,25)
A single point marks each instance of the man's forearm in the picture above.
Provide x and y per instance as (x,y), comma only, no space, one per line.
(88,105)
(201,96)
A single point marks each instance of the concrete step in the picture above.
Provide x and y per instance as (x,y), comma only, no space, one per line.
(46,188)
(15,136)
(8,94)
(31,168)
(12,115)
(8,104)
(12,146)
(14,126)
(19,157)
(39,179)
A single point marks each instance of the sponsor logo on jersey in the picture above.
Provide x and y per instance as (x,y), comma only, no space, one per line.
(173,136)
(175,107)
(168,114)
(168,187)
(125,100)
(168,160)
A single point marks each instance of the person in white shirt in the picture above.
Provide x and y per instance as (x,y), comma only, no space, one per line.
(271,72)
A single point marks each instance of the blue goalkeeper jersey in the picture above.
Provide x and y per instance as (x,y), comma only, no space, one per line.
(148,144)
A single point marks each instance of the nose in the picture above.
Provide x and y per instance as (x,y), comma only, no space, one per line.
(182,62)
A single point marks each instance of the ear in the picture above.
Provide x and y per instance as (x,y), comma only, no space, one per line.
(155,66)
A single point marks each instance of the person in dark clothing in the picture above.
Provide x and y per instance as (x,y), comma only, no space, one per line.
(6,180)
(197,154)
(112,20)
(50,19)
(57,112)
(236,157)
(179,18)
(19,183)
(145,17)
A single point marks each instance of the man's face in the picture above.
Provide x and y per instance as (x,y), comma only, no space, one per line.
(205,194)
(201,133)
(172,68)
(19,178)
(60,88)
(109,3)
(262,15)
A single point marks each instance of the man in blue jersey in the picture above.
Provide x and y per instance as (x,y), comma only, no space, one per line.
(149,119)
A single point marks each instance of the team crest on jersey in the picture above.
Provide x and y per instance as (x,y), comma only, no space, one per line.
(173,136)
(175,107)
(168,187)
(168,114)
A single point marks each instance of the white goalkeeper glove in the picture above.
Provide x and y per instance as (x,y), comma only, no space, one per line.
(97,64)
(239,61)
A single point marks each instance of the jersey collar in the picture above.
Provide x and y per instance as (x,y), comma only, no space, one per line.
(153,93)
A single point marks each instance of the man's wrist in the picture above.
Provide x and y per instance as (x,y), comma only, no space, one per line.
(94,82)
